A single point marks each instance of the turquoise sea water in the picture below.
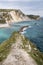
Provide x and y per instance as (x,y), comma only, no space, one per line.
(34,33)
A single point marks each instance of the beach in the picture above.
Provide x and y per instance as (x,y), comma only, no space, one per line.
(4,25)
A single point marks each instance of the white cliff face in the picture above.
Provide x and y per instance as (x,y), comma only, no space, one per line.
(17,17)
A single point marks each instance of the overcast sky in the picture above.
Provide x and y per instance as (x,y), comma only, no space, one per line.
(27,6)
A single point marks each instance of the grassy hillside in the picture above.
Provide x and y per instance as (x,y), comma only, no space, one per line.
(33,16)
(27,45)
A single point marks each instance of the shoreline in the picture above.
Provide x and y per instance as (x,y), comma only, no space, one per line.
(4,25)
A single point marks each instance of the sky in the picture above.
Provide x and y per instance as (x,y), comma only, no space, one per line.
(34,7)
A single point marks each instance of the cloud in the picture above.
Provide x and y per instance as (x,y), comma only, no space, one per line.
(22,0)
(27,6)
(40,13)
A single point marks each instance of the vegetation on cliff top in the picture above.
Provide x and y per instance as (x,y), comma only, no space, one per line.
(33,16)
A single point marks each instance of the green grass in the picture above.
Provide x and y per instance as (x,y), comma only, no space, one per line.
(34,53)
(2,21)
(33,16)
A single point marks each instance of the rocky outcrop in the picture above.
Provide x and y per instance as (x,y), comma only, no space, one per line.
(23,28)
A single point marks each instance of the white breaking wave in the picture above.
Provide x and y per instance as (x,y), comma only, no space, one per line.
(23,32)
(25,28)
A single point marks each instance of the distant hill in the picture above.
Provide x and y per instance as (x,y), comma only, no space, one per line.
(35,17)
(41,18)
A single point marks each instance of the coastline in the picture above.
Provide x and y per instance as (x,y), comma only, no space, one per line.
(4,25)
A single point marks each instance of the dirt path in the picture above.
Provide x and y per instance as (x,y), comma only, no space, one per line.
(18,56)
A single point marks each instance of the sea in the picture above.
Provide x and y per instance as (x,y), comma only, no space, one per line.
(34,32)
